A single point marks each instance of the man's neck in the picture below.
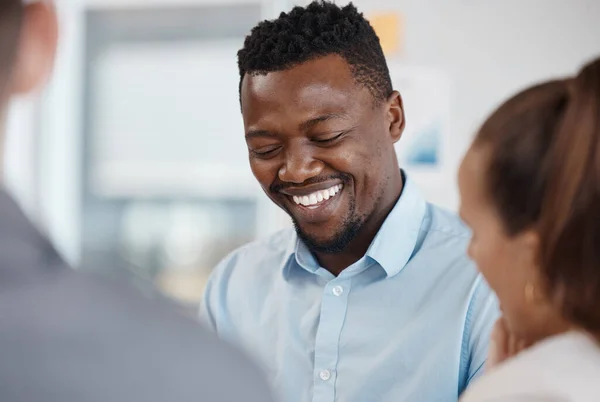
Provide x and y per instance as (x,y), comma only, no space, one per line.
(358,247)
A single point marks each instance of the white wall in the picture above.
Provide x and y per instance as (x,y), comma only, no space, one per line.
(59,139)
(20,152)
(61,115)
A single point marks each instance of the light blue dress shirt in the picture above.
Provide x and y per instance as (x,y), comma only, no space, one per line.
(408,322)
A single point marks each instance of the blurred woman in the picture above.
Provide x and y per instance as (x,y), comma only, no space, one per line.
(530,191)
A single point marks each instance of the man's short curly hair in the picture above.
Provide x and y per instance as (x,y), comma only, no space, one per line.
(319,29)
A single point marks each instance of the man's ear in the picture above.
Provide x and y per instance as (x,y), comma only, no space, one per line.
(395,114)
(37,48)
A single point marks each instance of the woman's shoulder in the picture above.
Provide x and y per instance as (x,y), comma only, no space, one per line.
(562,368)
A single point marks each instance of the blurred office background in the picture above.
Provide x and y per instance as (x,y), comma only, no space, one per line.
(134,161)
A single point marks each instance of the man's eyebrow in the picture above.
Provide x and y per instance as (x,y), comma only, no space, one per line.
(320,119)
(259,133)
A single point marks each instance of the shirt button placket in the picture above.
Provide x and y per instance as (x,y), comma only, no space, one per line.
(338,291)
(333,313)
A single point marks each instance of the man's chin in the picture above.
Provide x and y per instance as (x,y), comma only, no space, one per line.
(320,234)
(331,244)
(320,246)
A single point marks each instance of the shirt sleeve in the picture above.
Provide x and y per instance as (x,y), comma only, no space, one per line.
(208,305)
(481,316)
(250,384)
(214,311)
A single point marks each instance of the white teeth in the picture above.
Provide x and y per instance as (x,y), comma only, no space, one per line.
(318,196)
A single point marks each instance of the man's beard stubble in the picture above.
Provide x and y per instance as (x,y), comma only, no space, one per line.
(340,241)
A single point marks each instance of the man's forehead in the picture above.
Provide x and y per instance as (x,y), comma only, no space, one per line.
(324,80)
(331,70)
(270,87)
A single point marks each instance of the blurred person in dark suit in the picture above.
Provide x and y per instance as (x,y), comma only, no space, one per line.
(65,336)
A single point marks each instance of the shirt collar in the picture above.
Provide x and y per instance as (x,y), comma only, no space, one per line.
(395,242)
(297,252)
(393,245)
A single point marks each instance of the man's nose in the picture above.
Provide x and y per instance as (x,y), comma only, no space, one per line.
(299,166)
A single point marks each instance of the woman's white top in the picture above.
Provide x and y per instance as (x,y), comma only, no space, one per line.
(564,368)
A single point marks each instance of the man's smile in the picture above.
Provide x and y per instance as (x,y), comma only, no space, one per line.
(314,203)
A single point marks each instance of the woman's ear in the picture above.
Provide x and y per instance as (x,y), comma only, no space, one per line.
(37,47)
(530,259)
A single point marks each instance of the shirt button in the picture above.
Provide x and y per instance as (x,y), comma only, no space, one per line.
(325,375)
(338,291)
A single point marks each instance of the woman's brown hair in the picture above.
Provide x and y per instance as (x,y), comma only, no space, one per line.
(544,174)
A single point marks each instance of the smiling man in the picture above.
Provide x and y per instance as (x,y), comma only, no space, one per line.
(371,297)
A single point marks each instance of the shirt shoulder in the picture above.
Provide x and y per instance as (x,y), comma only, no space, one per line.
(241,283)
(444,222)
(444,239)
(258,258)
(512,379)
(565,368)
(259,263)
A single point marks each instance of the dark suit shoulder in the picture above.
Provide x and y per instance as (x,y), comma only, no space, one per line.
(69,336)
(72,336)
